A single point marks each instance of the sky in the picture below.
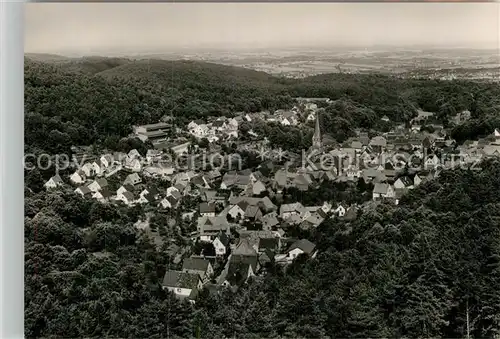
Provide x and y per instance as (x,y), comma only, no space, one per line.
(89,28)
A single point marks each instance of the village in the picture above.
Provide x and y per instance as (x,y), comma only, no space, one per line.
(239,220)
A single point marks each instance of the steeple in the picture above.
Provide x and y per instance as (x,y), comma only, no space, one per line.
(316,141)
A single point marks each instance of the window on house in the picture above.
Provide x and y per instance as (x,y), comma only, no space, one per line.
(179,290)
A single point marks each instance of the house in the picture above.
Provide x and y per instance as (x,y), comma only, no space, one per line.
(153,154)
(351,214)
(340,211)
(83,191)
(132,179)
(134,154)
(78,177)
(150,191)
(184,285)
(146,199)
(133,164)
(302,246)
(240,269)
(258,188)
(181,149)
(238,210)
(253,213)
(126,197)
(107,160)
(417,180)
(383,191)
(221,244)
(153,132)
(378,143)
(288,210)
(169,202)
(271,244)
(98,185)
(385,118)
(210,227)
(403,182)
(54,182)
(269,220)
(102,195)
(207,209)
(89,169)
(199,266)
(125,188)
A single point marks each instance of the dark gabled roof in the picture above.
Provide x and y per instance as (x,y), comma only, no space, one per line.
(268,243)
(350,214)
(406,181)
(176,194)
(181,279)
(84,189)
(195,264)
(57,179)
(251,260)
(252,211)
(304,244)
(237,273)
(244,248)
(172,200)
(149,197)
(207,207)
(128,195)
(224,238)
(105,193)
(152,190)
(102,182)
(129,187)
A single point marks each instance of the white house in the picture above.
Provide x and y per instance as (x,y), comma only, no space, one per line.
(98,167)
(132,179)
(383,191)
(340,211)
(54,182)
(133,164)
(107,160)
(169,202)
(126,197)
(289,210)
(300,247)
(236,212)
(102,196)
(417,180)
(78,177)
(184,285)
(134,154)
(124,188)
(88,169)
(221,244)
(98,185)
(83,191)
(258,187)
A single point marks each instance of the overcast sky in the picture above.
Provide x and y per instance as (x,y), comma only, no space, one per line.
(91,27)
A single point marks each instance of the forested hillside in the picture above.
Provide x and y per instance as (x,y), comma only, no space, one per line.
(416,270)
(419,269)
(97,100)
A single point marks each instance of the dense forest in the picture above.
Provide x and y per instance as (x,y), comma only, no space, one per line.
(97,100)
(415,270)
(419,269)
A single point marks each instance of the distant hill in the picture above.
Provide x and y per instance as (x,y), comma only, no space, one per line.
(87,65)
(45,57)
(189,72)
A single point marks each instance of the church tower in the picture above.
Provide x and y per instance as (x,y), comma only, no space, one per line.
(316,140)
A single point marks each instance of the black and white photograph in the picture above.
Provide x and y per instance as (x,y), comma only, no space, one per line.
(261,170)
